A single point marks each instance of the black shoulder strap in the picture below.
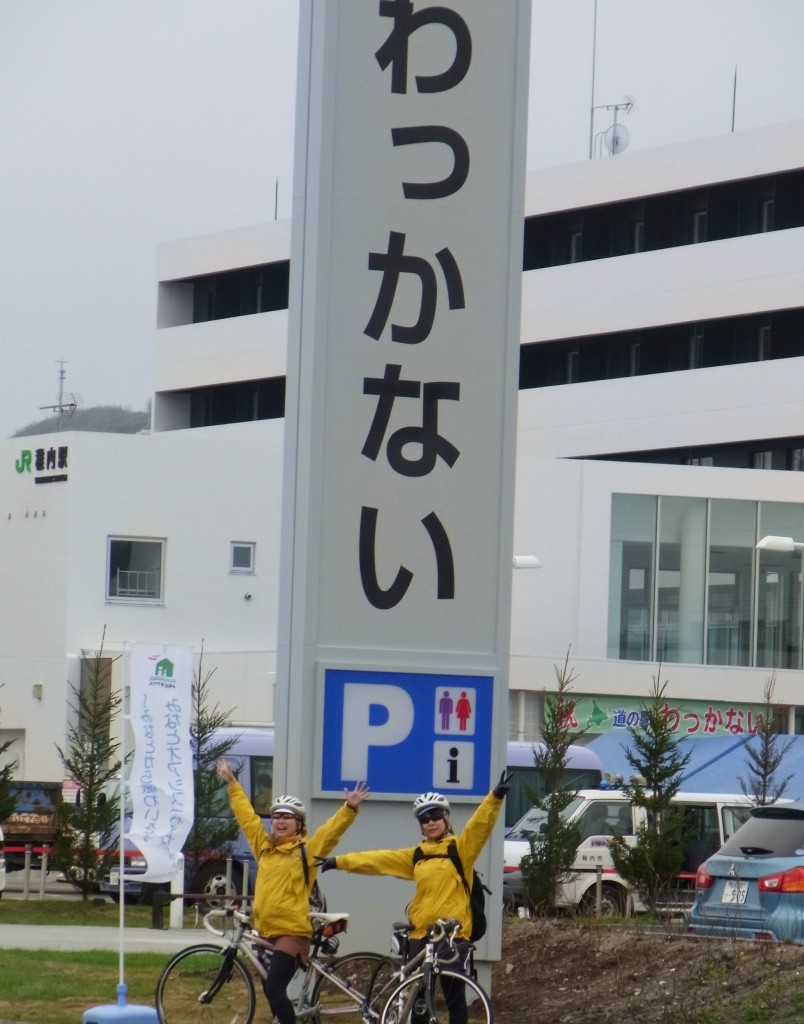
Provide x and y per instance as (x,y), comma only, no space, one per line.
(452,853)
(303,854)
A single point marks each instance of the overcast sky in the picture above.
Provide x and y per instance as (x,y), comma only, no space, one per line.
(124,123)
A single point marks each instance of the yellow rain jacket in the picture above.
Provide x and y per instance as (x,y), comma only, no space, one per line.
(281,898)
(439,889)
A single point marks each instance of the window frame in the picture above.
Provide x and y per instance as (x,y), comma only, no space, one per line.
(128,597)
(237,570)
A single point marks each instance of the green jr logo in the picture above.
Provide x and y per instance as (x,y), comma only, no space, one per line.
(23,463)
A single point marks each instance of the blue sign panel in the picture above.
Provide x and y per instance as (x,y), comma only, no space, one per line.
(407,732)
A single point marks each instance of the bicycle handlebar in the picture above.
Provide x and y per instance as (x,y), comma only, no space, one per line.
(223,912)
(444,928)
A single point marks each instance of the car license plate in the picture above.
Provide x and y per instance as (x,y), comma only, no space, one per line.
(114,876)
(734,891)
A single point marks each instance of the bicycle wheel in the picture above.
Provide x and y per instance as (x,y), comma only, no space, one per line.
(383,983)
(199,986)
(407,1003)
(357,971)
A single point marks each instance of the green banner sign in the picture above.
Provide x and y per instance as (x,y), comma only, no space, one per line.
(598,714)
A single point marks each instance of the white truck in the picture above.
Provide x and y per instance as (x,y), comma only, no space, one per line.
(709,818)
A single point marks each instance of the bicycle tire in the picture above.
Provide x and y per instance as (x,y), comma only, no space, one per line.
(397,1011)
(358,970)
(190,974)
(385,979)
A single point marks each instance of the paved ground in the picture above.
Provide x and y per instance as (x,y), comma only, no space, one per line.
(135,940)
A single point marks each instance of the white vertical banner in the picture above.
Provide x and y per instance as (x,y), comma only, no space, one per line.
(161,777)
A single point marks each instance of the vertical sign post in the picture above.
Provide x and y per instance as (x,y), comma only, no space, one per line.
(406,269)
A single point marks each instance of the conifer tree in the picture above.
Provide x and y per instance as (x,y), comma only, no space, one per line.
(764,758)
(8,801)
(653,863)
(552,850)
(214,828)
(91,760)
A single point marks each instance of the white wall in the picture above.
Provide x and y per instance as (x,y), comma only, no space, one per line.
(239,348)
(200,490)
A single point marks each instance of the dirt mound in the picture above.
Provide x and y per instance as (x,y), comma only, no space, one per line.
(555,971)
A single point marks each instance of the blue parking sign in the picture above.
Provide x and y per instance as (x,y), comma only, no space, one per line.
(407,732)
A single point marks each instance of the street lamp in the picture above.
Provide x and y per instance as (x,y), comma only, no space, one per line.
(771,543)
(526,562)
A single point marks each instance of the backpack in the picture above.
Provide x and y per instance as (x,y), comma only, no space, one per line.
(477,899)
(318,901)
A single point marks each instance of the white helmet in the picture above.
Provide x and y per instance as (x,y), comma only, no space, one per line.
(291,805)
(429,801)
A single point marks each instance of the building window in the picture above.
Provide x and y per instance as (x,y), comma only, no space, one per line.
(696,344)
(767,215)
(762,460)
(795,459)
(763,342)
(572,359)
(633,359)
(576,247)
(241,556)
(638,236)
(687,583)
(134,569)
(699,222)
(524,715)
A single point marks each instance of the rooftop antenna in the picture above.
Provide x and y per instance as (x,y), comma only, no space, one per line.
(734,99)
(616,137)
(67,403)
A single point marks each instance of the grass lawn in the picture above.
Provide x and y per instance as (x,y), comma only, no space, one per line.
(42,987)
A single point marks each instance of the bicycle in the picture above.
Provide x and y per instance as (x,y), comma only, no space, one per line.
(414,994)
(211,983)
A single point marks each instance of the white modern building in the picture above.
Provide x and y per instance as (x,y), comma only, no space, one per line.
(661,431)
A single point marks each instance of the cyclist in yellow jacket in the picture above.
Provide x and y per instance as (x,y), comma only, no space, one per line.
(440,891)
(282,892)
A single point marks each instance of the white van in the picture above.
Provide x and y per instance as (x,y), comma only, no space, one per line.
(711,818)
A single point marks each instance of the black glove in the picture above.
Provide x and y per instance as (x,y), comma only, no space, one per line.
(326,863)
(503,785)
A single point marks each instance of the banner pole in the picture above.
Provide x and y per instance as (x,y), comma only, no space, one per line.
(122,838)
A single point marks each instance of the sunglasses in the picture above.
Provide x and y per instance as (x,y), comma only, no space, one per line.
(431,816)
(282,816)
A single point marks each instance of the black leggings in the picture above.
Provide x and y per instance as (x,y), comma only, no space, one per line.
(454,990)
(280,974)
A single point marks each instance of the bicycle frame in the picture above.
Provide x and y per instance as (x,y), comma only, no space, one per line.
(316,967)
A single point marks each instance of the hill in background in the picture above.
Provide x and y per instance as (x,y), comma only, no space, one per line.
(109,419)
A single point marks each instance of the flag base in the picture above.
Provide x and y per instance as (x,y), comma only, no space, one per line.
(120,1012)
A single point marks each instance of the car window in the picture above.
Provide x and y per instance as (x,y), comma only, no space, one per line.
(606,818)
(535,818)
(781,835)
(733,817)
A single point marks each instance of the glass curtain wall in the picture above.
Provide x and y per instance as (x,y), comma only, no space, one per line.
(779,603)
(680,583)
(632,558)
(730,582)
(687,584)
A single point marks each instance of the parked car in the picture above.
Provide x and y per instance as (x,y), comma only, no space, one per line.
(599,814)
(753,887)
